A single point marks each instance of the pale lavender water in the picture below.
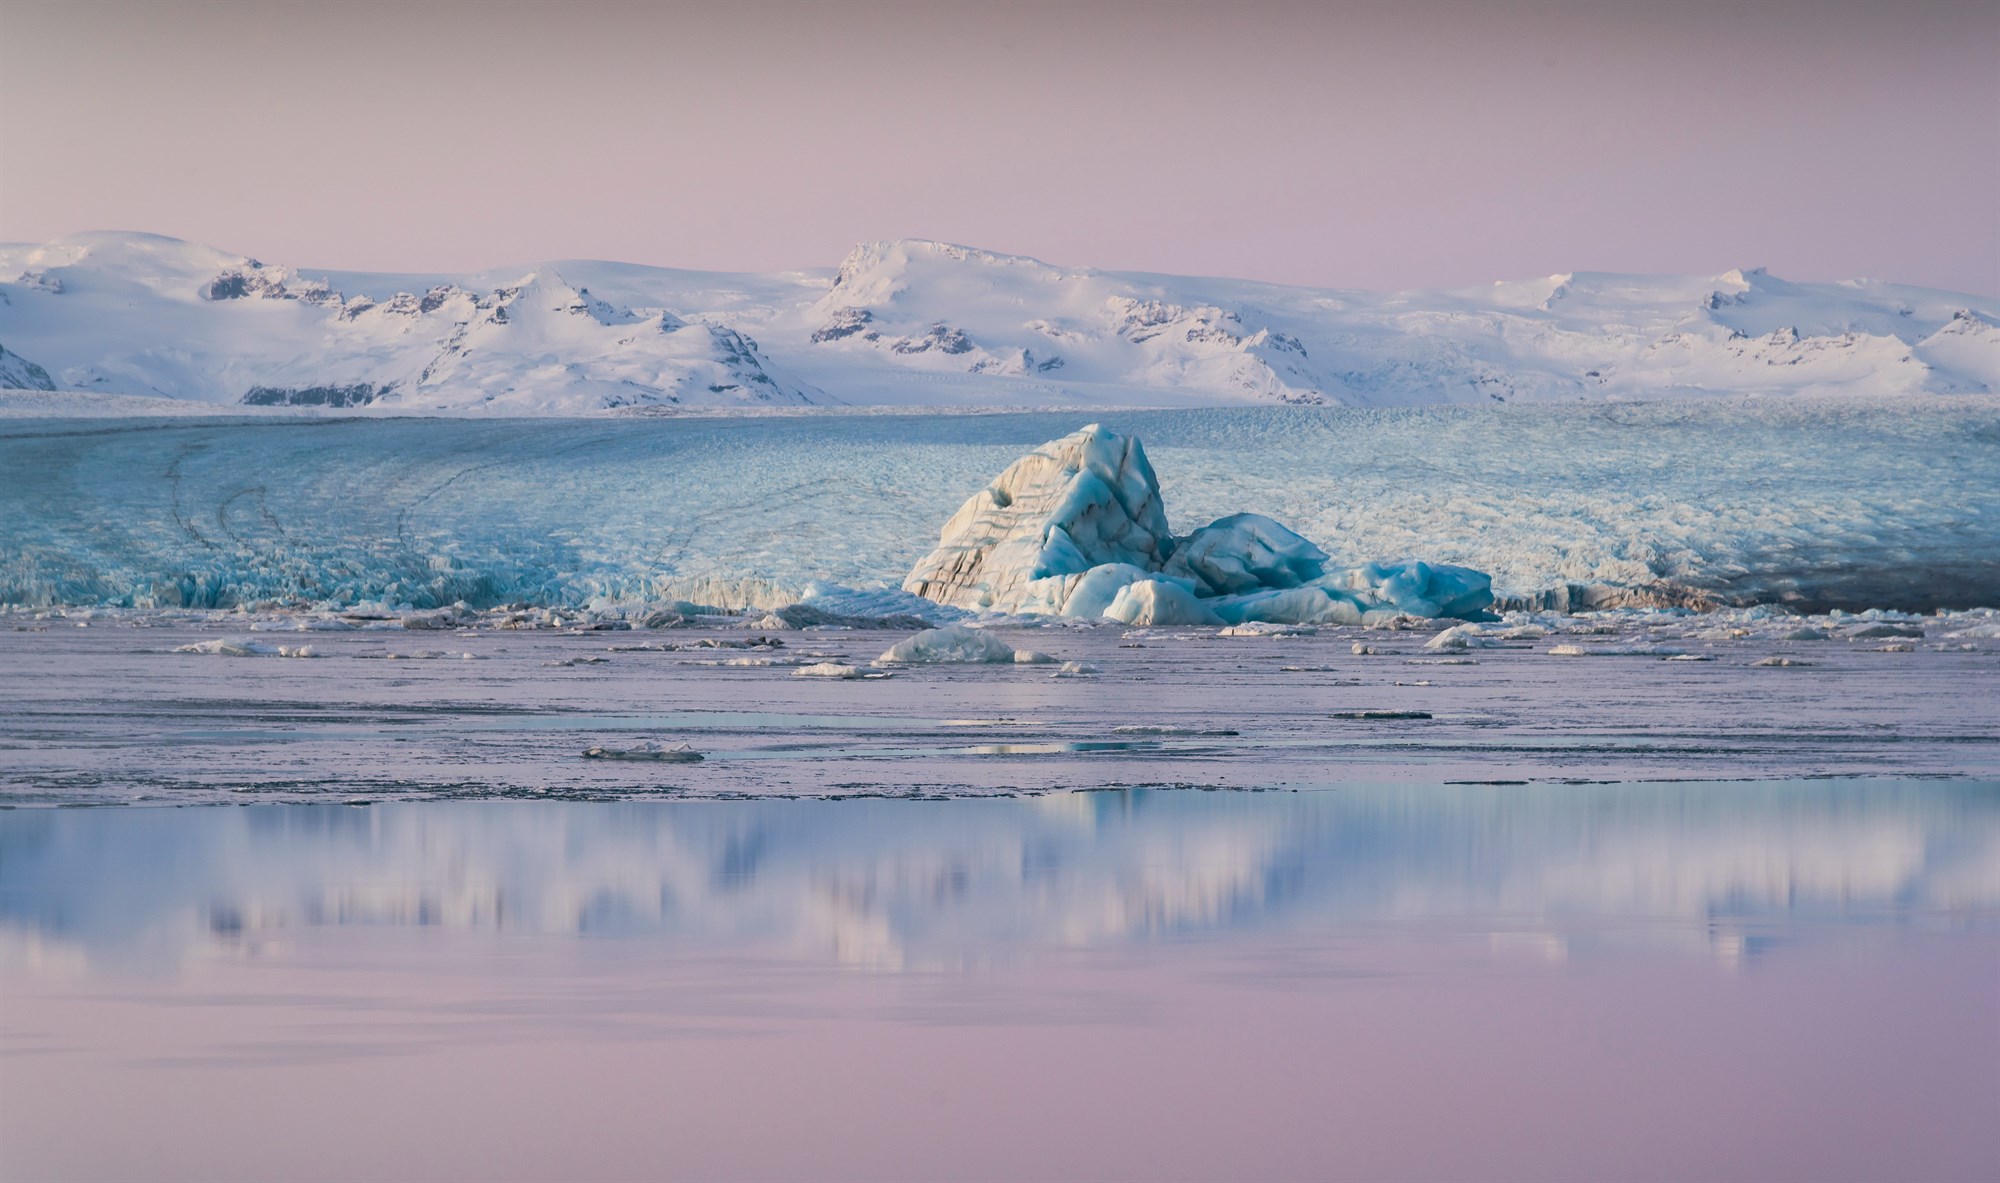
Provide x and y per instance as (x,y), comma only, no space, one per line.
(1723,981)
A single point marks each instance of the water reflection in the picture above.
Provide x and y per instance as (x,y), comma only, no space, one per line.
(1554,871)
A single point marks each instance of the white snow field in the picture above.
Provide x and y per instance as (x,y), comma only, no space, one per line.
(931,324)
(1717,502)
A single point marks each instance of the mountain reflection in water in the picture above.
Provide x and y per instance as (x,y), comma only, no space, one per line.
(939,885)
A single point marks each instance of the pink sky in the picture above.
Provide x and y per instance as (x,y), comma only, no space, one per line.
(1349,145)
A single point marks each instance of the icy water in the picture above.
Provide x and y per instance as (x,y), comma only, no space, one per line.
(1748,980)
(1632,895)
(111,713)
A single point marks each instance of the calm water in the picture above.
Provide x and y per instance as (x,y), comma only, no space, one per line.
(1751,980)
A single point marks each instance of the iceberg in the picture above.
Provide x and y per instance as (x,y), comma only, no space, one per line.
(1077,528)
(1084,501)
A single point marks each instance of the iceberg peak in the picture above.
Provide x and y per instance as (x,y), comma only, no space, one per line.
(1076,528)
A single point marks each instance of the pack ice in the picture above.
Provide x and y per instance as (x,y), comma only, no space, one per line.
(1076,528)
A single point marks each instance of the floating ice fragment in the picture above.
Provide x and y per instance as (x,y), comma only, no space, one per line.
(1774,662)
(244,647)
(1074,669)
(1884,630)
(1383,714)
(953,643)
(1163,729)
(1261,628)
(569,661)
(648,751)
(835,669)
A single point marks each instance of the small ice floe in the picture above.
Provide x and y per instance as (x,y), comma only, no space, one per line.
(1365,650)
(1691,657)
(1442,661)
(425,655)
(1636,649)
(1382,714)
(957,643)
(1463,636)
(1776,662)
(1260,628)
(1075,669)
(591,660)
(1151,729)
(1895,647)
(244,647)
(1807,633)
(1874,631)
(1308,669)
(835,669)
(651,751)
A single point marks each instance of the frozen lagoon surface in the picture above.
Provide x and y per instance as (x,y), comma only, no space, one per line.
(1632,894)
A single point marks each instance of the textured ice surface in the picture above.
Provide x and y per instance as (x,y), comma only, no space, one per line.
(1023,543)
(1077,528)
(1670,502)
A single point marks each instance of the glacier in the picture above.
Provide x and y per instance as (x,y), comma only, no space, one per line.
(1077,528)
(1703,504)
(922,323)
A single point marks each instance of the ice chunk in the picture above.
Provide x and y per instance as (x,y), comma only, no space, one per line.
(1422,589)
(1159,601)
(1297,605)
(1079,502)
(651,750)
(953,643)
(835,669)
(1088,594)
(1074,669)
(1245,552)
(244,647)
(1262,629)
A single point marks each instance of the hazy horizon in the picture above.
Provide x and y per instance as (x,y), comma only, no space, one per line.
(1359,146)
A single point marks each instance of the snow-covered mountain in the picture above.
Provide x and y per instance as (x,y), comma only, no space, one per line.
(927,323)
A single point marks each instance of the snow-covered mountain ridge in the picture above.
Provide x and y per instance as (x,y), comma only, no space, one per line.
(930,324)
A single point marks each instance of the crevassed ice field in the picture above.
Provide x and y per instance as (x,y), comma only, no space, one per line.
(1849,505)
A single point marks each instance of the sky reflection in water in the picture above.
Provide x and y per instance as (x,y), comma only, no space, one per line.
(1717,981)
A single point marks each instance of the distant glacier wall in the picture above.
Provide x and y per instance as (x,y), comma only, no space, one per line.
(1816,504)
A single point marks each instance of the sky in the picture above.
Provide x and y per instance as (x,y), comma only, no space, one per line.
(1356,145)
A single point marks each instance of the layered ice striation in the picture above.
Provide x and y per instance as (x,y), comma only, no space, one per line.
(1076,528)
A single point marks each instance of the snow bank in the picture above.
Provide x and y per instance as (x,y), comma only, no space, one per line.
(1076,528)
